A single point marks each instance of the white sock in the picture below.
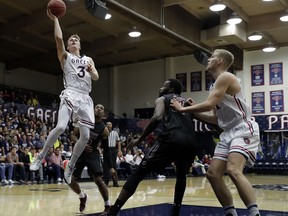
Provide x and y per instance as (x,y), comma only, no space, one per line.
(107,203)
(230,210)
(81,194)
(253,210)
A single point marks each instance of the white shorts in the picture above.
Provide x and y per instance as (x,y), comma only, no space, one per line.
(243,138)
(81,105)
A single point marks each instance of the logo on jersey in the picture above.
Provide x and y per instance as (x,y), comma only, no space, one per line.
(247,140)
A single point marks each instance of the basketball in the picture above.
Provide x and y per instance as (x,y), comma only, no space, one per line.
(65,162)
(57,7)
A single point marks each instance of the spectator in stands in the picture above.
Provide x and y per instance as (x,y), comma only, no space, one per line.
(54,104)
(69,152)
(1,98)
(25,158)
(206,161)
(122,163)
(40,143)
(198,166)
(129,157)
(6,168)
(33,155)
(138,156)
(75,99)
(13,157)
(55,163)
(33,100)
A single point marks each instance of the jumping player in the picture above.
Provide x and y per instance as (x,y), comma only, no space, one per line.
(240,139)
(75,100)
(177,143)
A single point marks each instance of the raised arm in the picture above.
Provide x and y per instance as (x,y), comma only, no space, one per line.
(61,51)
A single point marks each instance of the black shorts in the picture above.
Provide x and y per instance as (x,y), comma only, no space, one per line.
(176,146)
(92,161)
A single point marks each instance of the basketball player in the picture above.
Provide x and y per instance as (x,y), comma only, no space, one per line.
(75,100)
(177,143)
(91,158)
(240,139)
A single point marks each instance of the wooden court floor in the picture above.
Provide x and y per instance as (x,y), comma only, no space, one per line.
(58,199)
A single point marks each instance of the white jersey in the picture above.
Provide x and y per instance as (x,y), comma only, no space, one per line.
(75,74)
(232,110)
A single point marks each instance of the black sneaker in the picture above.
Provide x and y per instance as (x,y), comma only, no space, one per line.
(106,210)
(83,202)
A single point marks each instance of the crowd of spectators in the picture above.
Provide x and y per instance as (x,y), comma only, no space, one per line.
(23,136)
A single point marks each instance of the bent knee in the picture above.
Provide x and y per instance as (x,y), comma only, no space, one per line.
(234,173)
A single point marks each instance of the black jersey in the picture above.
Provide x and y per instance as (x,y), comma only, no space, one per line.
(175,120)
(96,134)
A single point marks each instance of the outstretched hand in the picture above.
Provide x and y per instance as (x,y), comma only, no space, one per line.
(133,143)
(175,104)
(50,15)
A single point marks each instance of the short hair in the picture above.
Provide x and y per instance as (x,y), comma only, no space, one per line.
(227,56)
(177,85)
(74,36)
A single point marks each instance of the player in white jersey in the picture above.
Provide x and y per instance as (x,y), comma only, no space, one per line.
(75,100)
(239,140)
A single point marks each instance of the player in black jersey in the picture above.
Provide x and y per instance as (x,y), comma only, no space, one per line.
(177,143)
(91,158)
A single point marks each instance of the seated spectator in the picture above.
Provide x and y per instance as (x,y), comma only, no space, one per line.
(19,169)
(26,159)
(69,152)
(197,165)
(6,168)
(206,161)
(138,157)
(55,163)
(129,158)
(121,163)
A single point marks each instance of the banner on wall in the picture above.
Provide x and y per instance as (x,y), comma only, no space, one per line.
(277,101)
(257,75)
(208,80)
(272,122)
(258,102)
(276,73)
(196,81)
(182,77)
(266,122)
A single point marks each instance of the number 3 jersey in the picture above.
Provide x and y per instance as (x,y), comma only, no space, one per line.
(76,75)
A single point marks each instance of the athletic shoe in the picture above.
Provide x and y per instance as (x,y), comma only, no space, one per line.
(106,210)
(83,202)
(10,182)
(35,165)
(4,182)
(68,171)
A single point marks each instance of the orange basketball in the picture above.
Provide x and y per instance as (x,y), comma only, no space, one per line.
(57,7)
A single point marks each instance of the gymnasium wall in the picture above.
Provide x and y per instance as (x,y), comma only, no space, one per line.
(124,88)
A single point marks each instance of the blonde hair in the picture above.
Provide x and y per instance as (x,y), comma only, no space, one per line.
(227,56)
(74,36)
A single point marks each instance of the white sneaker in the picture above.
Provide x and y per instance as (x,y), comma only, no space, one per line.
(68,173)
(35,165)
(4,182)
(10,182)
(59,180)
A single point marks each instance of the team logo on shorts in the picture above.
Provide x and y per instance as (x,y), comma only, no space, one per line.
(247,140)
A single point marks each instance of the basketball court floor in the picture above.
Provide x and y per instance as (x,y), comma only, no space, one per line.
(152,198)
